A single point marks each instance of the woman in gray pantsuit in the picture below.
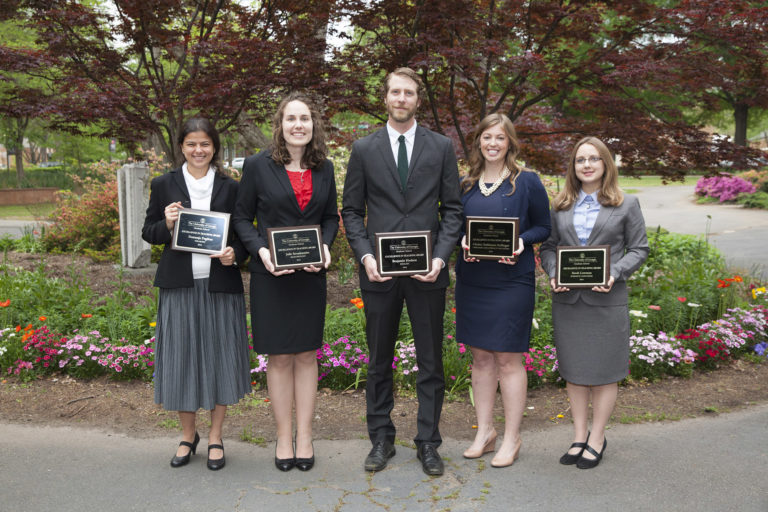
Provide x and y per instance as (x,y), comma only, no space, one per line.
(591,326)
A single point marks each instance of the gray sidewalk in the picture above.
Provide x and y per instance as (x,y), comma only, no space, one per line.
(709,464)
(741,234)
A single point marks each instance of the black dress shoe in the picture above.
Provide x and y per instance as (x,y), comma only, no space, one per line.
(590,463)
(176,461)
(305,464)
(284,464)
(430,459)
(216,464)
(377,458)
(571,459)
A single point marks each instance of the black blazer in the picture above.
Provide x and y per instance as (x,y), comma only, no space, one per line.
(431,200)
(266,195)
(175,267)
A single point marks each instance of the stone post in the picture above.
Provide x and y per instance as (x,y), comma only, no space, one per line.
(133,198)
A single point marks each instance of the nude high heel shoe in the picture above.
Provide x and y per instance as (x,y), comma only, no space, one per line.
(489,446)
(502,462)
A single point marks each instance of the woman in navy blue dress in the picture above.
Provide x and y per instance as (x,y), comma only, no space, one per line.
(495,299)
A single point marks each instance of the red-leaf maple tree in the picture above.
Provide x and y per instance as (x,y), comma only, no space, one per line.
(144,66)
(559,70)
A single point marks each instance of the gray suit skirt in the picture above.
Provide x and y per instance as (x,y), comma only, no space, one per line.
(592,342)
(201,348)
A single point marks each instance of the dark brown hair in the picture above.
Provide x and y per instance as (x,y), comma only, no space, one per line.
(609,194)
(202,124)
(316,151)
(476,160)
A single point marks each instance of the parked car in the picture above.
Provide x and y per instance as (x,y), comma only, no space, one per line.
(237,163)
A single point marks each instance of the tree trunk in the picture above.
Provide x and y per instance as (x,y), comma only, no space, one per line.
(19,157)
(740,113)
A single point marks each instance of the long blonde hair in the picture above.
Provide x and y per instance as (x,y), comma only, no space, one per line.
(476,160)
(609,194)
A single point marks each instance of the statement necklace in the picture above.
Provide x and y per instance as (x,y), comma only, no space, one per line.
(486,191)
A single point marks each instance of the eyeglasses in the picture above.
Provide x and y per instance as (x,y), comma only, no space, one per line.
(592,160)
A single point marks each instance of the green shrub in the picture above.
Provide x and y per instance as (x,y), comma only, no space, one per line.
(756,200)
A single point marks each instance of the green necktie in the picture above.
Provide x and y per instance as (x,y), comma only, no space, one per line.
(402,161)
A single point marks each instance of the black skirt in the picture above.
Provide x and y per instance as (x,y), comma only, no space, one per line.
(287,312)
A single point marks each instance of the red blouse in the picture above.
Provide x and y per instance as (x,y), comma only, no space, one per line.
(302,186)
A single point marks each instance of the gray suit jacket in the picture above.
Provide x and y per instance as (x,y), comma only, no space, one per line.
(430,201)
(622,227)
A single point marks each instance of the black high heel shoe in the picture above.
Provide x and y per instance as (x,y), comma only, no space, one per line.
(216,464)
(284,464)
(306,464)
(176,461)
(569,459)
(590,463)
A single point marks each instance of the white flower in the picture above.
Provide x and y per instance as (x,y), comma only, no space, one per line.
(694,305)
(535,324)
(637,313)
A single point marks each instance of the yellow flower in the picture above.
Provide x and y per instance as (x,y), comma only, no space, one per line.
(152,324)
(560,416)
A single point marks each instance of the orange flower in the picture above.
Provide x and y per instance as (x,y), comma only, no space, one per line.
(359,305)
(18,328)
(738,279)
(5,303)
(28,327)
(723,284)
(356,300)
(86,315)
(453,310)
(42,318)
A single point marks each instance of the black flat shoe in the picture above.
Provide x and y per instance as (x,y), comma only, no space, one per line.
(284,464)
(591,463)
(377,458)
(306,464)
(216,464)
(431,462)
(176,461)
(568,459)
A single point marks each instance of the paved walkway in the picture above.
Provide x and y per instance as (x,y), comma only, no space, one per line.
(740,234)
(710,464)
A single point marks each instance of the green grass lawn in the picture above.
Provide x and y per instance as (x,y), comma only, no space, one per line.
(627,182)
(27,211)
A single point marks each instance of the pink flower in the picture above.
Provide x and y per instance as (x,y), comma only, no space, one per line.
(654,307)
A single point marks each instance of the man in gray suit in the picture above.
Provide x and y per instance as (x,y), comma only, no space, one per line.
(405,178)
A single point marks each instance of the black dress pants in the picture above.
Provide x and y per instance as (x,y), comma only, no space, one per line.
(382,312)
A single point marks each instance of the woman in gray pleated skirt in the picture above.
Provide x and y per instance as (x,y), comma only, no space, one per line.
(201,355)
(591,325)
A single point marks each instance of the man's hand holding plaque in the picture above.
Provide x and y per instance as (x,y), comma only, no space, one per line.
(404,253)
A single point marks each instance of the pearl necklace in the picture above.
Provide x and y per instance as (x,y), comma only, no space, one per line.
(486,191)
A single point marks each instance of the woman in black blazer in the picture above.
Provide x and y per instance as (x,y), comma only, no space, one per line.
(292,184)
(201,356)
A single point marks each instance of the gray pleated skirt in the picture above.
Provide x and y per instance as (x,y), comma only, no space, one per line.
(592,342)
(201,348)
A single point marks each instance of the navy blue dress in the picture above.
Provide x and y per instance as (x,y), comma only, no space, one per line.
(494,301)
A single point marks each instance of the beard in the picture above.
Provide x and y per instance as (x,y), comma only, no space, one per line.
(401,116)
